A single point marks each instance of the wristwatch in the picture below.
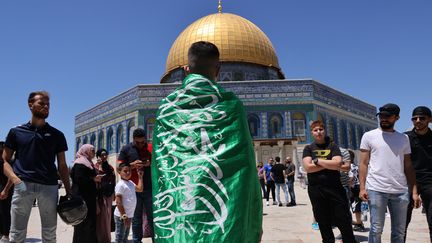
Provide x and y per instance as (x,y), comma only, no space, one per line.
(124,216)
(315,161)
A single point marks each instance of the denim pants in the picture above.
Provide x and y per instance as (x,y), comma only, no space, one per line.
(22,201)
(397,204)
(284,188)
(121,231)
(144,205)
(290,186)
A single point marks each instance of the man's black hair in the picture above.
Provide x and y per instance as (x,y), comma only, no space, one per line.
(2,143)
(139,133)
(100,151)
(202,55)
(277,158)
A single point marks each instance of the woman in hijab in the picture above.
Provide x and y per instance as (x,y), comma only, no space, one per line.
(105,196)
(84,181)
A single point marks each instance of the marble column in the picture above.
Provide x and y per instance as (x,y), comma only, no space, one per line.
(281,146)
(257,146)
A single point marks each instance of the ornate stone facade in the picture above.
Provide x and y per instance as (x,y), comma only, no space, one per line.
(279,113)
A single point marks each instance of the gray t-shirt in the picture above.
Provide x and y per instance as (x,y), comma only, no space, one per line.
(290,167)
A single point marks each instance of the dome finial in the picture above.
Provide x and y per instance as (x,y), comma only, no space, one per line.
(220,6)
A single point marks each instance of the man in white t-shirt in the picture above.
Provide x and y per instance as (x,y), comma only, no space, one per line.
(385,160)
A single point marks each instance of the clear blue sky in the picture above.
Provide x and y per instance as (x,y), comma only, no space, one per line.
(84,52)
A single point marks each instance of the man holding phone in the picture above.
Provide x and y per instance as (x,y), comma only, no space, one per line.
(138,155)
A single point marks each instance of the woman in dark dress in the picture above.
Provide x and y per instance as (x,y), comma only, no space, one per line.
(84,179)
(105,196)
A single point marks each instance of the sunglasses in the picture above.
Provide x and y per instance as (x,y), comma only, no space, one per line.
(421,118)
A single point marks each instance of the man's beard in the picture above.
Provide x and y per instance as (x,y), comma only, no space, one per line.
(387,125)
(40,115)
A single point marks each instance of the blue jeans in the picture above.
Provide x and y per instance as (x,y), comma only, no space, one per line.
(290,186)
(144,205)
(22,201)
(397,204)
(284,188)
(121,231)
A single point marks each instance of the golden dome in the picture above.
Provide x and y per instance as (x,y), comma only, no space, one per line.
(237,39)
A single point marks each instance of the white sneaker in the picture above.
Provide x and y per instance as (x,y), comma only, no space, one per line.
(267,203)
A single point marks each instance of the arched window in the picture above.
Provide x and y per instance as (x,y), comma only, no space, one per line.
(85,140)
(299,126)
(150,126)
(110,141)
(254,124)
(275,126)
(344,134)
(130,129)
(77,144)
(93,139)
(120,138)
(353,136)
(101,140)
(320,117)
(332,130)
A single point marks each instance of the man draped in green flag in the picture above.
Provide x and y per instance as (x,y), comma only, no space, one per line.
(205,185)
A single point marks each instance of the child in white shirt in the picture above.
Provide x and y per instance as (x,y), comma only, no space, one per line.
(126,201)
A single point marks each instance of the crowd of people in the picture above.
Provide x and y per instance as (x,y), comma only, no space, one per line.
(274,177)
(393,176)
(33,159)
(394,173)
(29,173)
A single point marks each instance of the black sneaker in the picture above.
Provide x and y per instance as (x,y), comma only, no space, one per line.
(280,204)
(359,228)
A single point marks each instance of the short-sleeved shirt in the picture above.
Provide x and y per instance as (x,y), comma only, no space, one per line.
(129,153)
(386,171)
(267,169)
(325,151)
(421,157)
(290,167)
(35,152)
(277,171)
(127,191)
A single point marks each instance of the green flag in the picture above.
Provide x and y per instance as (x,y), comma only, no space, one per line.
(205,184)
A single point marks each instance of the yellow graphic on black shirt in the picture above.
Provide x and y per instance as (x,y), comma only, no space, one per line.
(322,154)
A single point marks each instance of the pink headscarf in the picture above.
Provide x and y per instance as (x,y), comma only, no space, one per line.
(83,154)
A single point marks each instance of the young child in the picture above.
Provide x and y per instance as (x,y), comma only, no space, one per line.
(126,201)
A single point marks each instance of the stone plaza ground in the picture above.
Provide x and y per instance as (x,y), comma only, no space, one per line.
(280,224)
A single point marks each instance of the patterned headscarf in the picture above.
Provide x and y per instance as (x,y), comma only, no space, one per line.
(83,156)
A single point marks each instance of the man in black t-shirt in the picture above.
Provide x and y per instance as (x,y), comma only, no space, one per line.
(322,161)
(278,175)
(36,145)
(421,157)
